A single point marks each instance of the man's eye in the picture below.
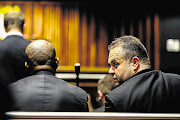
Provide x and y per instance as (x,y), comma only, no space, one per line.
(115,64)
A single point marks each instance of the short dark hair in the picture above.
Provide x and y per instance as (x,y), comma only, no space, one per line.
(14,19)
(132,47)
(40,52)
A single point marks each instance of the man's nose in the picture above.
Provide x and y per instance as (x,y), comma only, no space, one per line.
(111,70)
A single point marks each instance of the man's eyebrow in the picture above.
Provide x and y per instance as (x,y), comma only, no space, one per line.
(116,61)
(112,61)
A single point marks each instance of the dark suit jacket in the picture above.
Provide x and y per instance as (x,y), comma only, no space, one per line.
(150,91)
(12,59)
(100,109)
(5,101)
(45,92)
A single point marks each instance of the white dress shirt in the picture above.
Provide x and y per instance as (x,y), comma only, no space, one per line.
(14,33)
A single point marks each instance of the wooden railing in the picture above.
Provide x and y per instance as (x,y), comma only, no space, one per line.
(88,116)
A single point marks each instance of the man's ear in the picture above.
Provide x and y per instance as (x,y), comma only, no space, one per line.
(26,65)
(5,29)
(135,63)
(24,26)
(57,62)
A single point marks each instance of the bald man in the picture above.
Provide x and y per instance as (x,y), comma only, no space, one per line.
(42,91)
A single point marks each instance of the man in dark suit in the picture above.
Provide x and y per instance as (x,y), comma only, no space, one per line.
(43,91)
(12,49)
(141,89)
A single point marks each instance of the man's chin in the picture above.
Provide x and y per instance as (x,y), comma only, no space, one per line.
(120,82)
(116,84)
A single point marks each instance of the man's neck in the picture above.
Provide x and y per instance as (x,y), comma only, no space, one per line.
(44,67)
(14,32)
(143,71)
(142,67)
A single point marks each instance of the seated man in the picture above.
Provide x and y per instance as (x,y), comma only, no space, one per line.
(141,89)
(43,91)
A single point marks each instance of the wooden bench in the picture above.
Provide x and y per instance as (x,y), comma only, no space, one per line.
(88,116)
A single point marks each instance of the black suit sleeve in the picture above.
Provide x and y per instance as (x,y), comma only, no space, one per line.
(86,106)
(86,109)
(109,106)
(82,101)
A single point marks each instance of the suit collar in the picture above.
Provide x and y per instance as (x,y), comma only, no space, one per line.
(139,73)
(143,71)
(14,37)
(43,72)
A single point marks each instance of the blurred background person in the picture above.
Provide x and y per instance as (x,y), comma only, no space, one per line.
(12,49)
(104,86)
(43,91)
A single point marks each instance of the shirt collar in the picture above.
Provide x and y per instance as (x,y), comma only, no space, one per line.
(46,72)
(14,33)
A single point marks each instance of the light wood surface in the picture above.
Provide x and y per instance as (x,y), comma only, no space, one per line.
(88,116)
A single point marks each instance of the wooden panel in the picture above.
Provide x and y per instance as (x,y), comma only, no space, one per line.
(140,35)
(92,43)
(83,69)
(78,37)
(102,47)
(83,42)
(131,29)
(122,28)
(37,22)
(28,14)
(156,41)
(148,35)
(46,33)
(65,40)
(58,32)
(73,36)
